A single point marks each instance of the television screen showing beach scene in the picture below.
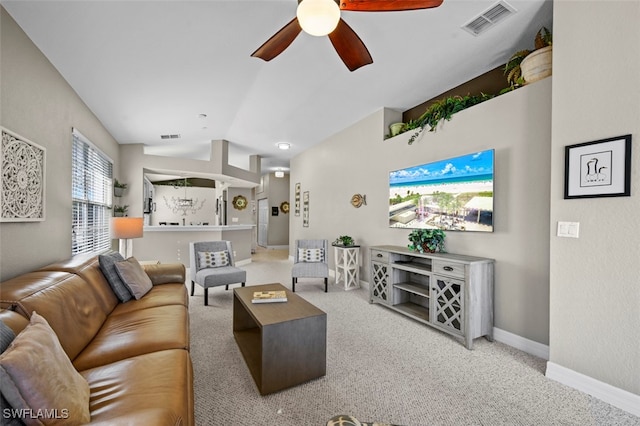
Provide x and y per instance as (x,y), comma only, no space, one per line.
(455,194)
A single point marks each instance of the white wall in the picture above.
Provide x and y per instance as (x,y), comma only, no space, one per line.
(163,213)
(595,280)
(38,104)
(517,125)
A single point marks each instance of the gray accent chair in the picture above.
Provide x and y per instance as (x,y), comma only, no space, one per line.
(213,277)
(310,269)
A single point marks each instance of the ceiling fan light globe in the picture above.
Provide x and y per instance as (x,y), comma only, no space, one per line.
(318,17)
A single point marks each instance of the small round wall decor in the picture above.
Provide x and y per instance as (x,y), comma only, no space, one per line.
(358,200)
(240,202)
(284,207)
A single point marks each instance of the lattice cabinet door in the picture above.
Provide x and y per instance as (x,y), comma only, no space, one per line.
(379,288)
(448,304)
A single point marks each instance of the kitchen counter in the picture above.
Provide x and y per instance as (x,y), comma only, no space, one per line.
(170,243)
(199,228)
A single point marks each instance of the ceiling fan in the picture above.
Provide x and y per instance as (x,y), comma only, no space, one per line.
(322,17)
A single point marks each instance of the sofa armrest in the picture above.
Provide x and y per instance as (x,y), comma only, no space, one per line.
(165,273)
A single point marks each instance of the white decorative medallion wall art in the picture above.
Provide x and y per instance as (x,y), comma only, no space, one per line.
(22,179)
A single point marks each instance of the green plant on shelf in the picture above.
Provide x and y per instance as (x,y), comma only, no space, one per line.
(442,109)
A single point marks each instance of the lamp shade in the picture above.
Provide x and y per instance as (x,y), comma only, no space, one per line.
(318,17)
(126,227)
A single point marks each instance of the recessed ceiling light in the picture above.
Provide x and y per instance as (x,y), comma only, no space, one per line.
(284,145)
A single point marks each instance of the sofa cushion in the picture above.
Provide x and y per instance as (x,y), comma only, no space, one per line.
(138,332)
(134,277)
(160,295)
(71,307)
(213,259)
(36,374)
(150,389)
(108,266)
(87,266)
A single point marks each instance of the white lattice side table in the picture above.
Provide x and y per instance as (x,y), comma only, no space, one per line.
(347,266)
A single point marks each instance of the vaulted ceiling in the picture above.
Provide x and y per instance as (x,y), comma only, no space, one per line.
(152,68)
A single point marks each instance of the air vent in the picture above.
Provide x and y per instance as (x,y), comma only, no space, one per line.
(175,136)
(489,18)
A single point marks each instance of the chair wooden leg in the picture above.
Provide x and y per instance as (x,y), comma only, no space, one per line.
(206,297)
(326,281)
(193,285)
(226,287)
(242,284)
(293,284)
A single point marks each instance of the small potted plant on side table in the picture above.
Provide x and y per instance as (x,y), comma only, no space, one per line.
(427,240)
(344,241)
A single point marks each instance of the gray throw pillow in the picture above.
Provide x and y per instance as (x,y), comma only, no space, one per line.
(134,277)
(108,266)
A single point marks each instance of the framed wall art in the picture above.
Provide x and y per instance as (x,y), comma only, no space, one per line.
(305,209)
(297,200)
(600,168)
(22,196)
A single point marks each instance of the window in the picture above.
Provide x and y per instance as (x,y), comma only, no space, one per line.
(92,173)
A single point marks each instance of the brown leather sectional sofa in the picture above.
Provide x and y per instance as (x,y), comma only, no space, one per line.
(134,355)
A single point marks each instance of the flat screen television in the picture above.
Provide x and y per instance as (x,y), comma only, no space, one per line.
(455,194)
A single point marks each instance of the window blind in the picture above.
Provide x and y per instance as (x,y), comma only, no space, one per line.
(91,183)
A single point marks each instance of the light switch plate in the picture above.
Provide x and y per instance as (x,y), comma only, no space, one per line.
(568,229)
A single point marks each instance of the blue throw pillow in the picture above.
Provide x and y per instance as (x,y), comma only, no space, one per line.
(108,267)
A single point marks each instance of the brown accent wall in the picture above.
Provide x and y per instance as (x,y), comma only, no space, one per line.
(491,83)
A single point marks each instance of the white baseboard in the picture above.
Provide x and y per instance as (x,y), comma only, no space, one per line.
(617,397)
(243,262)
(522,343)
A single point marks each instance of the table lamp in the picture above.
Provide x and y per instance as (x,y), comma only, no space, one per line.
(124,229)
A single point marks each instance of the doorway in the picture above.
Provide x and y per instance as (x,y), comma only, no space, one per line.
(263,222)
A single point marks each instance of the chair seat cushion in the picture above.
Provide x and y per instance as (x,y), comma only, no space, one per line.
(310,269)
(212,277)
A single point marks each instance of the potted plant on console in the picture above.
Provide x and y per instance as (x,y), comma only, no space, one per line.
(427,240)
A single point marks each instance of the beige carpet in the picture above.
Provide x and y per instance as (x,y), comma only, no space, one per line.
(381,367)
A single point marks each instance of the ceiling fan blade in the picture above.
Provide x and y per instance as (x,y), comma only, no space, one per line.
(387,5)
(351,49)
(279,41)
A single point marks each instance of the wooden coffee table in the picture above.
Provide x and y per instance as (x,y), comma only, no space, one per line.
(284,344)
